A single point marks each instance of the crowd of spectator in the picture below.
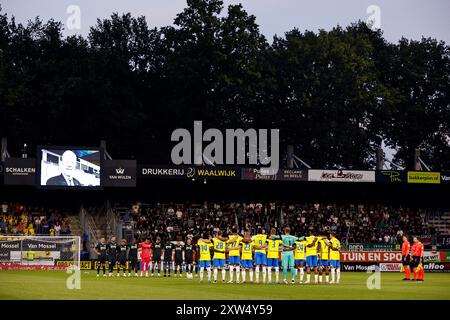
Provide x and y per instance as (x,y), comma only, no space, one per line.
(17,219)
(353,223)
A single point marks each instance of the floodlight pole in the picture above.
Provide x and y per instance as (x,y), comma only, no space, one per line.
(396,166)
(424,164)
(207,160)
(380,158)
(302,162)
(419,164)
(416,165)
(4,150)
(290,156)
(292,159)
(103,146)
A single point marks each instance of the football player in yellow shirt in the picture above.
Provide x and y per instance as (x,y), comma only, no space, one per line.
(311,256)
(219,245)
(246,248)
(335,258)
(260,254)
(233,255)
(204,246)
(273,254)
(299,256)
(323,251)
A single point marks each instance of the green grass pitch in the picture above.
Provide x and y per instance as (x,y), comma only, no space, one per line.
(52,285)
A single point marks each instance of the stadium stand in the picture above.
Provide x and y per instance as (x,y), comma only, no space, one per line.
(19,219)
(355,223)
(441,222)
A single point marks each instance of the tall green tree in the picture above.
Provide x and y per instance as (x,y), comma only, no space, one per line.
(324,90)
(336,96)
(421,118)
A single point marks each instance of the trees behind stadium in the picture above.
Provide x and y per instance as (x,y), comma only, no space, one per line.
(335,95)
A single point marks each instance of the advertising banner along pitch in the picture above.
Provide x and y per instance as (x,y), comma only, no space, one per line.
(282,174)
(445,177)
(371,256)
(431,267)
(37,252)
(388,256)
(341,176)
(256,174)
(189,172)
(390,176)
(154,171)
(424,177)
(372,247)
(214,173)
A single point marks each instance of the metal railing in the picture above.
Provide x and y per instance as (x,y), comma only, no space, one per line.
(113,221)
(88,226)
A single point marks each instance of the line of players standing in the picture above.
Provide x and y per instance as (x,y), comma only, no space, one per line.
(312,251)
(121,253)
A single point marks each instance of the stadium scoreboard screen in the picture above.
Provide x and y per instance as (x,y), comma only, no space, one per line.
(69,167)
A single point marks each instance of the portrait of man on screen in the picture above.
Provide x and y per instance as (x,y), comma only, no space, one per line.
(67,165)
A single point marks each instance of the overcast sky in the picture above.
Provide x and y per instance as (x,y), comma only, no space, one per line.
(409,18)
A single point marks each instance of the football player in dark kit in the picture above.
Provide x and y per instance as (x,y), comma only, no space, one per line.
(196,259)
(179,252)
(133,257)
(157,252)
(189,250)
(168,256)
(113,248)
(101,251)
(122,257)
